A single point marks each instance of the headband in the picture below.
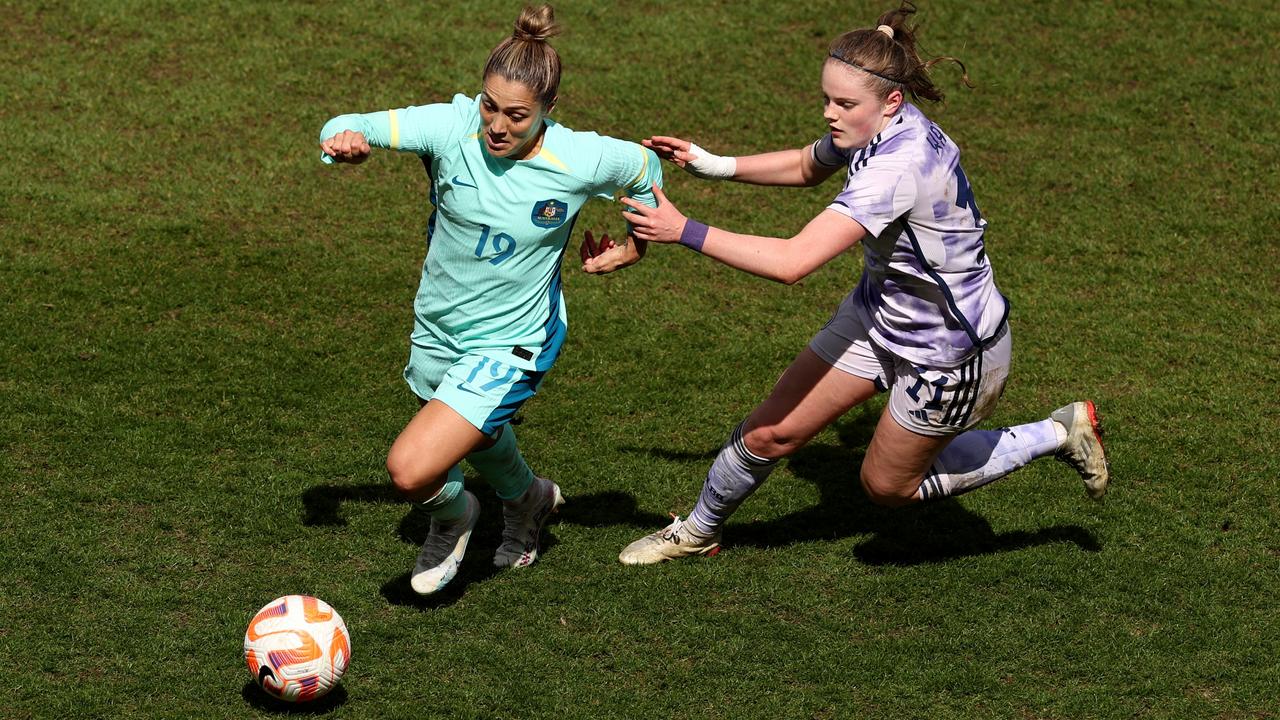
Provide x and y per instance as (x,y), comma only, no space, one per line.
(851,63)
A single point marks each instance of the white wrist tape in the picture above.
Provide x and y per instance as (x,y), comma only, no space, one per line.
(710,166)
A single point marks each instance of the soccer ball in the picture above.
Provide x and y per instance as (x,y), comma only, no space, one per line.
(297,648)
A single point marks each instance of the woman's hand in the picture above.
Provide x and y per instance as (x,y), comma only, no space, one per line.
(347,146)
(606,256)
(694,160)
(669,148)
(661,224)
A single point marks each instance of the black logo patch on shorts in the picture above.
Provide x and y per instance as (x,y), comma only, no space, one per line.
(522,353)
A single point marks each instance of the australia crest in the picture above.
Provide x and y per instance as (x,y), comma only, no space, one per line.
(549,213)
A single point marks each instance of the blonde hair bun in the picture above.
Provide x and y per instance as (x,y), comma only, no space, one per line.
(536,24)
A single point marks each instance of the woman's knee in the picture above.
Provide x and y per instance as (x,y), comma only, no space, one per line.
(409,474)
(885,491)
(770,441)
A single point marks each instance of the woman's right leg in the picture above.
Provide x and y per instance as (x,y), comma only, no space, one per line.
(809,396)
(428,448)
(423,464)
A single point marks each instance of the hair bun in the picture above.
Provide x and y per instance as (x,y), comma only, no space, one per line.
(536,24)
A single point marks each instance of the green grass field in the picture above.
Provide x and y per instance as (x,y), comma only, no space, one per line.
(204,328)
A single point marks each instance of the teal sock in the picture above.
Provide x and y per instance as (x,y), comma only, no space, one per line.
(503,467)
(450,503)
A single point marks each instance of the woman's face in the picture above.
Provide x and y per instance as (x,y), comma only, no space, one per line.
(853,112)
(512,118)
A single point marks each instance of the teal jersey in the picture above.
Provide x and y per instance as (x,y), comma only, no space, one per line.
(491,280)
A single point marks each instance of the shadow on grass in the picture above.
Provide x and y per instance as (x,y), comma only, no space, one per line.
(322,506)
(261,700)
(604,509)
(928,533)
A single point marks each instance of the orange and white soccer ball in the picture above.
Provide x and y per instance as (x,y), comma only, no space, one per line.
(297,648)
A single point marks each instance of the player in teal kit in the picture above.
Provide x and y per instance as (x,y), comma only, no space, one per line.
(507,183)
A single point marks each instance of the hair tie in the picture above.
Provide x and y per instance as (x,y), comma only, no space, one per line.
(888,31)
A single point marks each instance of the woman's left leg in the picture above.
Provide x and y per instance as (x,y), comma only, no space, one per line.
(527,500)
(896,462)
(903,467)
(922,449)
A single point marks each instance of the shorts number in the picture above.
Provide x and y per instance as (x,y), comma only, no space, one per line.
(503,244)
(938,385)
(496,372)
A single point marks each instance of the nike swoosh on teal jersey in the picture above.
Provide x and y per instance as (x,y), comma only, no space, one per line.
(458,181)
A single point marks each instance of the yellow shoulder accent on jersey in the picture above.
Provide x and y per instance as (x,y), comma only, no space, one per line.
(395,130)
(643,167)
(551,158)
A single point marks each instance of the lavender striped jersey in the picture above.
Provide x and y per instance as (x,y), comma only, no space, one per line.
(927,291)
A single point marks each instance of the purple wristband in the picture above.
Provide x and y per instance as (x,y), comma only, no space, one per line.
(693,235)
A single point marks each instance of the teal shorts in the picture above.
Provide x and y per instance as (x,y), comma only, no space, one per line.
(484,391)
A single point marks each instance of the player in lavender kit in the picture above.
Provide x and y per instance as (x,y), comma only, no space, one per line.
(925,323)
(507,183)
